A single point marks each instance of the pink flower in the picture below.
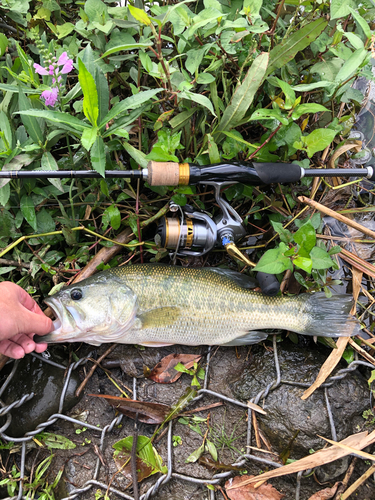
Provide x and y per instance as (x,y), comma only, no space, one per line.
(63,59)
(40,70)
(67,68)
(50,96)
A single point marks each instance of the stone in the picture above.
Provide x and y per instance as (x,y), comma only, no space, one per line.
(46,381)
(287,413)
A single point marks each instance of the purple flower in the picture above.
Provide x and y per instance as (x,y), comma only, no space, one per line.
(63,59)
(40,70)
(67,68)
(50,96)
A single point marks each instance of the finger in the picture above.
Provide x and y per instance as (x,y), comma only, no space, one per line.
(41,347)
(35,323)
(25,299)
(11,349)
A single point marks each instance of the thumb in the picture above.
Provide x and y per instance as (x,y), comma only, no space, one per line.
(37,323)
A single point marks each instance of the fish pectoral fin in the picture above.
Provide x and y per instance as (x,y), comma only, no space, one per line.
(252,337)
(159,317)
(153,344)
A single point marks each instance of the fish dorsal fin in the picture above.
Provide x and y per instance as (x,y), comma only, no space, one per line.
(241,280)
(159,317)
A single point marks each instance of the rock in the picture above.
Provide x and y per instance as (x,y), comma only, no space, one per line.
(46,381)
(287,412)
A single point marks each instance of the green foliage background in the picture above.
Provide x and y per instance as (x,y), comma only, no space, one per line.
(206,81)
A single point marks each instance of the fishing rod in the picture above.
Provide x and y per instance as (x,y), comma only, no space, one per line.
(192,232)
(174,174)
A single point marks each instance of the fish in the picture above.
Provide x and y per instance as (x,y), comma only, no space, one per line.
(157,305)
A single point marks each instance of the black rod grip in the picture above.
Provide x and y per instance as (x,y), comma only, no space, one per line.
(278,172)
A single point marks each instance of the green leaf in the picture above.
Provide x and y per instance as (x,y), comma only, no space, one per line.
(320,258)
(299,40)
(129,103)
(88,137)
(103,92)
(90,94)
(6,128)
(28,69)
(55,441)
(205,78)
(3,44)
(195,456)
(341,8)
(211,448)
(244,95)
(269,114)
(289,93)
(274,262)
(306,87)
(28,211)
(213,151)
(303,263)
(361,22)
(145,61)
(140,15)
(64,30)
(354,40)
(303,109)
(318,140)
(145,452)
(15,90)
(48,162)
(334,250)
(238,138)
(113,216)
(351,65)
(57,117)
(97,156)
(126,46)
(285,235)
(305,237)
(198,98)
(4,195)
(137,155)
(28,118)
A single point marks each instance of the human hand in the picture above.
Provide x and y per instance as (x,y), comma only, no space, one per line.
(20,319)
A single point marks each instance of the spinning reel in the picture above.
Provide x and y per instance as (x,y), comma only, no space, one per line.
(195,233)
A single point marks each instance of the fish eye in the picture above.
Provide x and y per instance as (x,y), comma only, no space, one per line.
(76,294)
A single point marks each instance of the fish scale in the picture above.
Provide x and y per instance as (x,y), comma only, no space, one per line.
(156,304)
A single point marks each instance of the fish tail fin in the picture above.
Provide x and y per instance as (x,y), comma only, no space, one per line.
(329,317)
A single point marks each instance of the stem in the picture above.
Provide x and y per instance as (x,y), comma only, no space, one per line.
(265,142)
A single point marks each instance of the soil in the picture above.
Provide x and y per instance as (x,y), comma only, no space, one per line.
(228,424)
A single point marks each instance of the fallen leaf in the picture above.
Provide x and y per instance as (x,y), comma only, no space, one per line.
(148,413)
(148,460)
(325,494)
(322,457)
(245,491)
(328,366)
(164,372)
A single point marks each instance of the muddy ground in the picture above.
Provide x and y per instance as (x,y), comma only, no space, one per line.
(228,424)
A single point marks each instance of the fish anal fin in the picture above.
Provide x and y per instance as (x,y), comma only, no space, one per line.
(159,317)
(153,344)
(248,338)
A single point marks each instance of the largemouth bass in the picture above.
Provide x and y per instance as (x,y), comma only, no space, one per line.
(156,305)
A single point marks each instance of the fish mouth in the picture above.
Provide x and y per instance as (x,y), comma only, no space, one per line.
(58,334)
